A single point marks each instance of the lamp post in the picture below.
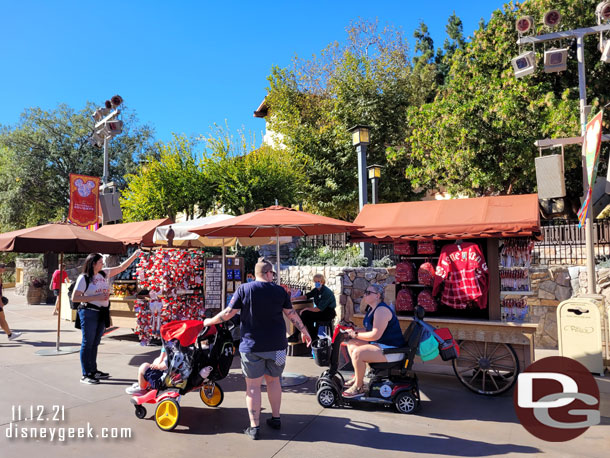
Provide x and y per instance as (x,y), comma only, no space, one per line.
(374,175)
(360,139)
(603,14)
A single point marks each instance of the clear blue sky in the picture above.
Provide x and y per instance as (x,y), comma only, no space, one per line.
(184,65)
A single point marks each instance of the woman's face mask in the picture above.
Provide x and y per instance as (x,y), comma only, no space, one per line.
(249,280)
(317,284)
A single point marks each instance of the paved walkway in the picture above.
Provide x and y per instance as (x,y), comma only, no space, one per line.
(452,421)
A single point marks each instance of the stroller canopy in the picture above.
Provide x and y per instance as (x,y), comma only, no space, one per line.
(185,331)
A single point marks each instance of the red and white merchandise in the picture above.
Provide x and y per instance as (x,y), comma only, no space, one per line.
(463,271)
(174,279)
(427,301)
(405,272)
(425,274)
(426,247)
(404,248)
(404,300)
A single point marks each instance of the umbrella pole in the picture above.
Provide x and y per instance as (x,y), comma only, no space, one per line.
(61,269)
(277,254)
(223,295)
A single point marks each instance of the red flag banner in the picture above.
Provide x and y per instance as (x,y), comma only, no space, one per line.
(84,199)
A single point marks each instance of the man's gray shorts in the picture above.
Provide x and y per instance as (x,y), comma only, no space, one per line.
(257,364)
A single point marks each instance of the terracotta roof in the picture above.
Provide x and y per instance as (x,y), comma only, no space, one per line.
(499,216)
(140,232)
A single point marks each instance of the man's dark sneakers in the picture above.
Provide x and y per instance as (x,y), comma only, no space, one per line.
(101,375)
(89,380)
(252,432)
(274,422)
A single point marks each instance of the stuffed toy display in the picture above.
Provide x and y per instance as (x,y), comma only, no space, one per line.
(174,280)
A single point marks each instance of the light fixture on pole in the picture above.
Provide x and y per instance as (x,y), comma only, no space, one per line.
(602,11)
(524,64)
(552,18)
(555,60)
(360,139)
(374,175)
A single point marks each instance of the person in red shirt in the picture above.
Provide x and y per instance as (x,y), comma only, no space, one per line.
(59,277)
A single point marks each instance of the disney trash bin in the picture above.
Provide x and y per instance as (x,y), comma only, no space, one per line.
(579,328)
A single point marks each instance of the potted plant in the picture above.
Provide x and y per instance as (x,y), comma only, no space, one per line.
(35,289)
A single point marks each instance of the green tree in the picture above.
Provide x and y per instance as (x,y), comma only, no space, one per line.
(367,80)
(477,136)
(166,184)
(244,179)
(39,153)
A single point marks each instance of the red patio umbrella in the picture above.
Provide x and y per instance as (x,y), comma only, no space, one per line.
(275,221)
(58,238)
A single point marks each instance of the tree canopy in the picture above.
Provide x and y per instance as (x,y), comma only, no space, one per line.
(39,153)
(367,80)
(477,136)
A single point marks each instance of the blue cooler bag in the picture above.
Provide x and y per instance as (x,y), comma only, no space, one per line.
(428,346)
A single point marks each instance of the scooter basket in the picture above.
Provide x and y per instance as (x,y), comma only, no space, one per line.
(321,352)
(448,350)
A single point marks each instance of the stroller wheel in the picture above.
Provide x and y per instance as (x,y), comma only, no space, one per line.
(167,414)
(405,403)
(327,396)
(140,412)
(211,395)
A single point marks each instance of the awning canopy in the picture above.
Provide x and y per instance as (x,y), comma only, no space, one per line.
(138,233)
(499,216)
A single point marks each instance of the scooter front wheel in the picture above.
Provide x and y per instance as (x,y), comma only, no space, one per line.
(327,396)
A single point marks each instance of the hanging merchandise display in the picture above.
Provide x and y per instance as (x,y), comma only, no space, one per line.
(427,301)
(462,270)
(404,300)
(404,248)
(425,274)
(405,272)
(515,310)
(516,252)
(174,281)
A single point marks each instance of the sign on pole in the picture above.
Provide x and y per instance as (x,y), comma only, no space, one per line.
(84,199)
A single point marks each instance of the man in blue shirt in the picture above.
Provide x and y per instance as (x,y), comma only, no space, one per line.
(263,305)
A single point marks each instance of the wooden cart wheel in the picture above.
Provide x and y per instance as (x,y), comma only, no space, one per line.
(486,367)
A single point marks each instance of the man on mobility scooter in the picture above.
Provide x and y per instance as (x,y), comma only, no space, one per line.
(392,381)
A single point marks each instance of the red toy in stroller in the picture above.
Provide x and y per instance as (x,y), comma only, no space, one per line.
(190,348)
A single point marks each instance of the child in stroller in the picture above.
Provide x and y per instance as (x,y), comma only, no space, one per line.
(197,358)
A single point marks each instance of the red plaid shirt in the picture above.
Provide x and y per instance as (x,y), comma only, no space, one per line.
(464,271)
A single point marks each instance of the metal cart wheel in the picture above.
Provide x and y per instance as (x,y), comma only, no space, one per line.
(486,367)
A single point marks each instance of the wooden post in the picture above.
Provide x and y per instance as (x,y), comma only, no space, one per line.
(493,298)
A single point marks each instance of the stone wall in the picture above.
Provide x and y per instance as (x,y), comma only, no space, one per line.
(31,268)
(348,283)
(550,286)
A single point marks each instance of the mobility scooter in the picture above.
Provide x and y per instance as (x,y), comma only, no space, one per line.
(392,383)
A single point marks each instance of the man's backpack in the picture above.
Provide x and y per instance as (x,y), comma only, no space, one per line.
(74,305)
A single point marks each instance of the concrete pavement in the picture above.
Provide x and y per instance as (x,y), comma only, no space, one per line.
(451,422)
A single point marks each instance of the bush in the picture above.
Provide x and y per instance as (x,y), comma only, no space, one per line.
(324,256)
(386,261)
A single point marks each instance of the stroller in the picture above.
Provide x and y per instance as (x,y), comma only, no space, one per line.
(190,349)
(392,383)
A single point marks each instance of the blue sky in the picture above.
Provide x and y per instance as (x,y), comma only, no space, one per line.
(184,65)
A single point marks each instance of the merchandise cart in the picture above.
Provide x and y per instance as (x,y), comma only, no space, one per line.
(496,341)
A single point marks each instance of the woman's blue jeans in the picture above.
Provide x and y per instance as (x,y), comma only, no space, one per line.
(92,327)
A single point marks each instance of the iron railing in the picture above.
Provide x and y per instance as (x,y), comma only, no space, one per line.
(564,242)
